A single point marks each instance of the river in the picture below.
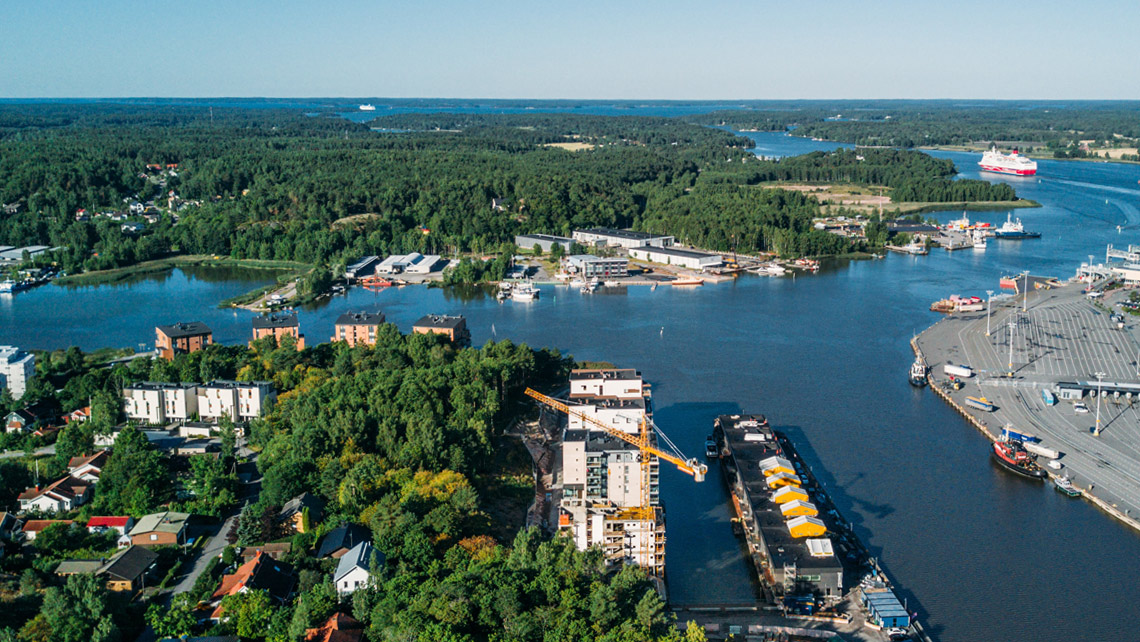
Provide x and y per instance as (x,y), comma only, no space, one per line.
(982,555)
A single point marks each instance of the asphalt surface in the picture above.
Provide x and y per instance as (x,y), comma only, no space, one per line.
(1060,337)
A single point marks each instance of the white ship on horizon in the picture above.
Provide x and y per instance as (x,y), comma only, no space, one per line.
(368,107)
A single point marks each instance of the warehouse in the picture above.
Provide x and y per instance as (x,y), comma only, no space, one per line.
(605,236)
(544,241)
(590,266)
(681,258)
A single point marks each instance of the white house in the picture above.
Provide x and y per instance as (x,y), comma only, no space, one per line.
(624,383)
(88,468)
(58,497)
(354,569)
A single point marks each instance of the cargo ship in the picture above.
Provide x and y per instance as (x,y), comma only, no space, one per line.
(1014,231)
(1013,164)
(1012,456)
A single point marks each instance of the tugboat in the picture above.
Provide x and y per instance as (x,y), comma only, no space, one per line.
(918,373)
(711,449)
(1012,456)
(1015,231)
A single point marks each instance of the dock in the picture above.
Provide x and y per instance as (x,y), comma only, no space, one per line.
(1058,343)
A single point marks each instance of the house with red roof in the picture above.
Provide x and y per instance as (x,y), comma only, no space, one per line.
(260,573)
(59,496)
(338,628)
(102,524)
(88,467)
(82,414)
(33,527)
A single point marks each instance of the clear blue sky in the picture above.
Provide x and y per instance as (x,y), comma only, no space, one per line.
(583,49)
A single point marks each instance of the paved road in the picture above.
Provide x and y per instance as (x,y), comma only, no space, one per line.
(1061,337)
(46,450)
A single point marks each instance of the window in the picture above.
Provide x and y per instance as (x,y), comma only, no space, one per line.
(153,537)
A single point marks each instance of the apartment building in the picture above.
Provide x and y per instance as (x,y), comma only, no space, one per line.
(17,368)
(238,400)
(279,326)
(155,403)
(181,338)
(358,328)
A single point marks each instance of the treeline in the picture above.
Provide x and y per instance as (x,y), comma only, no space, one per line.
(911,176)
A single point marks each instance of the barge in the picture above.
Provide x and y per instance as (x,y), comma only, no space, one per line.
(803,550)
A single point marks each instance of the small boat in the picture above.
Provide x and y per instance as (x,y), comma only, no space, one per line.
(807,264)
(979,239)
(772,269)
(1065,486)
(687,281)
(918,373)
(1014,458)
(711,449)
(524,292)
(980,403)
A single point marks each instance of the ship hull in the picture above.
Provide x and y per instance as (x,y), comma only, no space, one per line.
(918,382)
(1010,171)
(1029,473)
(1016,236)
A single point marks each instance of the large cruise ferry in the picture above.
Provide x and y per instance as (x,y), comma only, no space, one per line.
(995,161)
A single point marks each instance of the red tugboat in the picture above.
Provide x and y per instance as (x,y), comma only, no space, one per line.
(1013,457)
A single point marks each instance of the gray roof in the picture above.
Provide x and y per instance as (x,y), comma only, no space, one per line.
(130,564)
(343,537)
(276,321)
(625,234)
(671,251)
(185,329)
(168,522)
(359,556)
(360,318)
(440,321)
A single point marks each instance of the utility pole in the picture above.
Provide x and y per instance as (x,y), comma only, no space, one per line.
(989,306)
(1025,299)
(1011,325)
(1099,394)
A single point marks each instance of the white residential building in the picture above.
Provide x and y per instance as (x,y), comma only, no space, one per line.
(621,414)
(17,368)
(156,403)
(238,400)
(623,383)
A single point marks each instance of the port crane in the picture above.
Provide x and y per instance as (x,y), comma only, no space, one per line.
(646,513)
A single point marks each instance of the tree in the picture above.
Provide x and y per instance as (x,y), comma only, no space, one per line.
(177,621)
(135,480)
(255,524)
(249,613)
(79,611)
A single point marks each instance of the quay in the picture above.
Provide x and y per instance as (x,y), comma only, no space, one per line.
(1038,366)
(814,573)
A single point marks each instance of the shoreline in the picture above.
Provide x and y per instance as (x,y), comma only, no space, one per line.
(116,275)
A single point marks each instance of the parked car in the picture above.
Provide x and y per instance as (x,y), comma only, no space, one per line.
(1080,407)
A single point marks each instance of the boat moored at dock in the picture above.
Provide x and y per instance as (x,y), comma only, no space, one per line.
(1065,486)
(1014,231)
(918,373)
(1012,456)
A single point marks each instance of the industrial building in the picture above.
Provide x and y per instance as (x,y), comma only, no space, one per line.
(17,368)
(1076,390)
(544,241)
(589,266)
(363,268)
(673,256)
(608,237)
(414,263)
(785,532)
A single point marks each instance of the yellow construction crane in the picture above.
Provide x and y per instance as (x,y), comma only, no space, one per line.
(646,513)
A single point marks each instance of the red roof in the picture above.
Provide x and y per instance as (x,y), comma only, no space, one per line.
(37,525)
(118,522)
(338,628)
(97,460)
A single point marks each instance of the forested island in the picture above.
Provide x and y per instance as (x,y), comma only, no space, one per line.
(1058,130)
(276,185)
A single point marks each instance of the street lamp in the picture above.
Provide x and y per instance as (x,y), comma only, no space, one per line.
(1011,324)
(1099,394)
(989,306)
(1025,299)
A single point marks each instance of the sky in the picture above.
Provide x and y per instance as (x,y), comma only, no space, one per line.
(585,49)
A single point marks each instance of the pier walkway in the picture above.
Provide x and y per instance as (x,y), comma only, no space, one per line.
(1062,336)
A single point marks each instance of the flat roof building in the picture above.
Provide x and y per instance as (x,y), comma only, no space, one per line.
(544,241)
(673,256)
(181,338)
(590,266)
(610,237)
(454,327)
(17,368)
(358,328)
(362,268)
(278,326)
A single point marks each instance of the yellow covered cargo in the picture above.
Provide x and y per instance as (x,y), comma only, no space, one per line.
(798,507)
(789,494)
(773,465)
(780,480)
(805,526)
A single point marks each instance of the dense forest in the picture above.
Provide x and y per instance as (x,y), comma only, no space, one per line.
(920,123)
(279,185)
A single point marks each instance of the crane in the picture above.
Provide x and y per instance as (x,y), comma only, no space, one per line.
(646,513)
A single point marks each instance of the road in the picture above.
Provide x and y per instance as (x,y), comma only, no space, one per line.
(1060,337)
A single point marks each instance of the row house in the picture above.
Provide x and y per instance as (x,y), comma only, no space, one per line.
(156,404)
(238,400)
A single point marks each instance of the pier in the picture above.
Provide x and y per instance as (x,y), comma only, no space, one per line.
(1052,341)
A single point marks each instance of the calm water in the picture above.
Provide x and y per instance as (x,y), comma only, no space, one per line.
(982,555)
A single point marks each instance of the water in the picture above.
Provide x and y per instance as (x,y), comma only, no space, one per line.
(982,555)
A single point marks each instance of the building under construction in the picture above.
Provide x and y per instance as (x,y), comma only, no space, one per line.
(608,468)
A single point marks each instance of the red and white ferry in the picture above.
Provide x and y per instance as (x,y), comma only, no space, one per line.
(995,161)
